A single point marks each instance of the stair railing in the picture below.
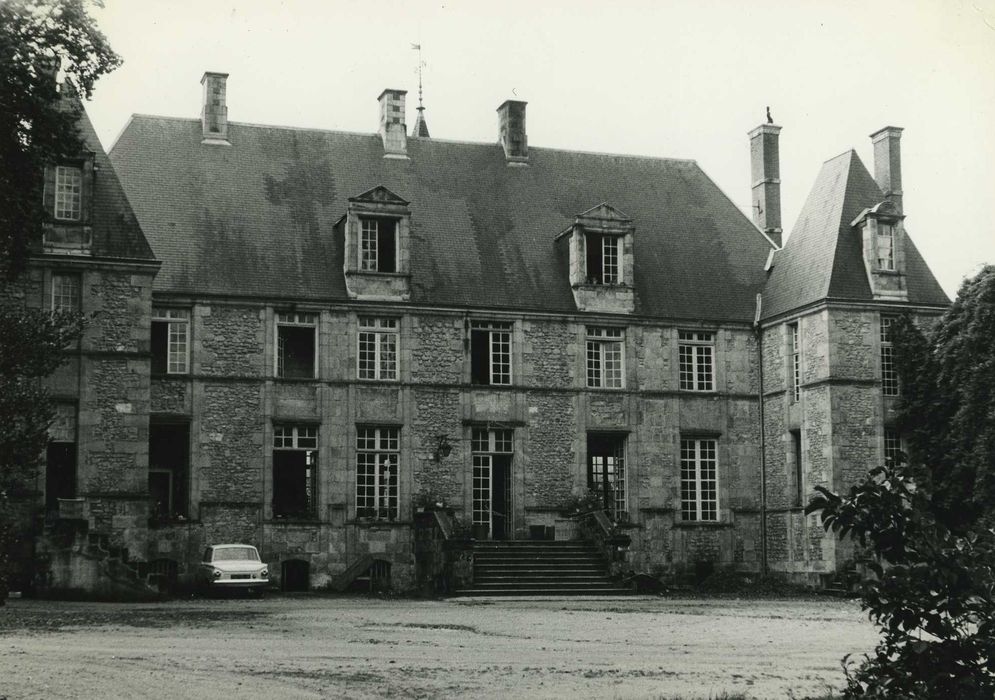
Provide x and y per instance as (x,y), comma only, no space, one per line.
(598,528)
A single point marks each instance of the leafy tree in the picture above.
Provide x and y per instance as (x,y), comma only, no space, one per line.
(38,127)
(947,413)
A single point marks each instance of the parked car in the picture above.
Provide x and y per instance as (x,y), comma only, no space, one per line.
(232,567)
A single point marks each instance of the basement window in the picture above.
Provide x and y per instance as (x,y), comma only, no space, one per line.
(296,345)
(170,341)
(295,471)
(378,245)
(490,352)
(604,253)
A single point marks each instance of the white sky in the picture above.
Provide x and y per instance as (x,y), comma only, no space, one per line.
(683,79)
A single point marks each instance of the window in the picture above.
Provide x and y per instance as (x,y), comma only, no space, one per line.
(378,245)
(170,341)
(606,471)
(699,480)
(797,471)
(490,352)
(492,481)
(796,376)
(889,376)
(296,345)
(60,456)
(603,255)
(886,246)
(68,193)
(295,471)
(697,361)
(169,466)
(377,453)
(65,292)
(605,363)
(377,348)
(893,453)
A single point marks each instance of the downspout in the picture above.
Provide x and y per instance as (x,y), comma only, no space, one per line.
(763,443)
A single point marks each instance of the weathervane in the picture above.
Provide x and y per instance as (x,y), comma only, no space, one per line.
(421,126)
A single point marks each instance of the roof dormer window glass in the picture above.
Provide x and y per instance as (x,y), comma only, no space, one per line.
(886,246)
(378,247)
(603,255)
(68,193)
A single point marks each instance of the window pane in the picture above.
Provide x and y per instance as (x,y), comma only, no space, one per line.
(65,292)
(368,244)
(68,193)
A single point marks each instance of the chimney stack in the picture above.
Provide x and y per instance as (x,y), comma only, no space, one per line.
(511,131)
(766,176)
(214,115)
(888,163)
(393,130)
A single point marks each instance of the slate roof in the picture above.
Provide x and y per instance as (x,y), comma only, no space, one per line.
(257,219)
(823,256)
(115,229)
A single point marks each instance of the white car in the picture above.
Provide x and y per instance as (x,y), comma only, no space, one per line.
(232,567)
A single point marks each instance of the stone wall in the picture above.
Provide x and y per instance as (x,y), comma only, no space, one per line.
(229,340)
(230,441)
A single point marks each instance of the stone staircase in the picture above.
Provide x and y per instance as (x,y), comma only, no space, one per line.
(539,567)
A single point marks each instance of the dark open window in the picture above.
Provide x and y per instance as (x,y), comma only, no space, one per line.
(378,245)
(169,470)
(603,258)
(295,345)
(606,470)
(798,483)
(295,471)
(60,473)
(490,353)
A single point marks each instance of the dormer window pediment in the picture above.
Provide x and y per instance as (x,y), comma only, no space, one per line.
(377,234)
(882,232)
(601,260)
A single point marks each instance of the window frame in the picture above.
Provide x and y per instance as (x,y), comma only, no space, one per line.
(496,443)
(297,437)
(795,369)
(889,374)
(383,331)
(57,298)
(174,319)
(498,373)
(599,341)
(689,346)
(612,472)
(885,246)
(293,319)
(384,446)
(370,242)
(693,503)
(75,209)
(609,253)
(893,445)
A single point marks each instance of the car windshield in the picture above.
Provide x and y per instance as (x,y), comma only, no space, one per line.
(236,554)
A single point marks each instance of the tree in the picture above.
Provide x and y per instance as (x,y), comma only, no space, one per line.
(947,411)
(38,127)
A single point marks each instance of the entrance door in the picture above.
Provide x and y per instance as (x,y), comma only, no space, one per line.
(492,495)
(606,470)
(60,473)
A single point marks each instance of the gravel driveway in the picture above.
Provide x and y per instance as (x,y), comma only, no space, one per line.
(311,647)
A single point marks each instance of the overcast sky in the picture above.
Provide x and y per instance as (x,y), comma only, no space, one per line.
(683,79)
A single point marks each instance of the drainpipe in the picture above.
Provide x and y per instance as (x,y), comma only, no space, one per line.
(763,443)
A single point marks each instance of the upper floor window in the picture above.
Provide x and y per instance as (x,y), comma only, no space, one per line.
(605,353)
(604,253)
(170,341)
(490,352)
(699,480)
(377,456)
(296,345)
(886,246)
(889,375)
(295,471)
(378,244)
(377,348)
(65,292)
(796,375)
(696,359)
(68,193)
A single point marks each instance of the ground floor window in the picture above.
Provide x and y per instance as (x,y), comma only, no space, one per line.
(606,471)
(169,467)
(377,457)
(60,456)
(892,447)
(295,471)
(699,480)
(492,452)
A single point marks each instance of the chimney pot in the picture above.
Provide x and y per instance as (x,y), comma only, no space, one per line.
(393,129)
(888,163)
(511,131)
(766,175)
(214,113)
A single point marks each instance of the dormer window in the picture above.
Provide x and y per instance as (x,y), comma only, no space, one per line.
(378,249)
(882,232)
(886,246)
(376,236)
(601,247)
(68,193)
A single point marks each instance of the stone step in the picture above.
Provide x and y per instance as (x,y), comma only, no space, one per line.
(587,590)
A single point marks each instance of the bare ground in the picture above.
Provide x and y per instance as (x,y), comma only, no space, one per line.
(311,647)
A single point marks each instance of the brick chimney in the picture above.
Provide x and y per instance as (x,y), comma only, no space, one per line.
(511,131)
(393,130)
(766,175)
(214,114)
(888,163)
